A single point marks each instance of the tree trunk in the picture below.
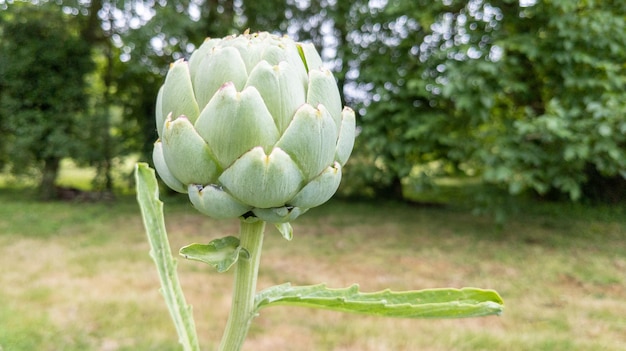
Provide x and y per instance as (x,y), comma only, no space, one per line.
(107,162)
(391,191)
(47,188)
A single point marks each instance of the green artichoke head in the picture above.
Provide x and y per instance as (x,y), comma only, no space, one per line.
(252,126)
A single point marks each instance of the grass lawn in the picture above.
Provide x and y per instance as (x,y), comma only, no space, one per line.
(77,276)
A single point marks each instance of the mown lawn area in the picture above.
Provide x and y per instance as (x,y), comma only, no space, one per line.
(77,276)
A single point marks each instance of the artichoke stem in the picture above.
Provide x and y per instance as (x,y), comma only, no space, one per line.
(246,272)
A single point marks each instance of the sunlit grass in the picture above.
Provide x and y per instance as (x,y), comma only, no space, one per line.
(77,276)
(75,176)
(71,175)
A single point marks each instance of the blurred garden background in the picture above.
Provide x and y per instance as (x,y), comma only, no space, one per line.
(491,152)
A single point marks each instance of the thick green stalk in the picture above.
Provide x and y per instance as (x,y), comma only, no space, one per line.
(242,309)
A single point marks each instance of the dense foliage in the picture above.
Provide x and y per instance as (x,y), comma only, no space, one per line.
(527,95)
(43,91)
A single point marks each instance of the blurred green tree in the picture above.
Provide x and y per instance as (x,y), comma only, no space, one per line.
(528,96)
(43,95)
(551,88)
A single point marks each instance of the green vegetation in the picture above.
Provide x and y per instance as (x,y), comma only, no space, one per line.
(42,91)
(528,95)
(77,276)
(450,94)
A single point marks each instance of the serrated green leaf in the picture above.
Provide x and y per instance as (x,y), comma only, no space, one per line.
(152,214)
(430,303)
(220,253)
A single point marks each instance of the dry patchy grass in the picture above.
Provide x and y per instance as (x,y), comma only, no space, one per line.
(78,277)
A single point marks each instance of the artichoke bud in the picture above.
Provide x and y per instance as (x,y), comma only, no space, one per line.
(252,125)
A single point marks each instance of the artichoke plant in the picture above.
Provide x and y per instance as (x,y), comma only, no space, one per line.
(252,125)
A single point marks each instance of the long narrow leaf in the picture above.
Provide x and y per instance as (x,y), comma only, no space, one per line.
(152,213)
(430,303)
